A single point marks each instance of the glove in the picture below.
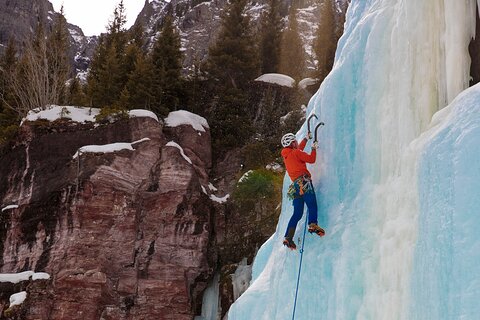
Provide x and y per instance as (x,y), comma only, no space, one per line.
(315,145)
(309,135)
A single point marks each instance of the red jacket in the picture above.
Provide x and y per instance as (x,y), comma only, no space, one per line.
(296,160)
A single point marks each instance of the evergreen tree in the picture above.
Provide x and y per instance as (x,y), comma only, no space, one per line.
(292,55)
(270,37)
(109,71)
(167,60)
(134,48)
(326,39)
(75,94)
(232,64)
(232,60)
(139,93)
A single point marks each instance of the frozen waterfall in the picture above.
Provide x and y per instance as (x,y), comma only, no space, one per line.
(397,191)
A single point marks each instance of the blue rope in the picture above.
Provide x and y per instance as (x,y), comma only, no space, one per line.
(299,268)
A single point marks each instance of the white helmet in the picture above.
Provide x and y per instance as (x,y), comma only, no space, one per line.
(288,139)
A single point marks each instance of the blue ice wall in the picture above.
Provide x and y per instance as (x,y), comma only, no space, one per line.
(398,63)
(446,274)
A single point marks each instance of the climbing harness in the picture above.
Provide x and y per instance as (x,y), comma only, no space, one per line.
(299,187)
(299,269)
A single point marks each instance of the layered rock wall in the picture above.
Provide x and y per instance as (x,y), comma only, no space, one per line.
(124,235)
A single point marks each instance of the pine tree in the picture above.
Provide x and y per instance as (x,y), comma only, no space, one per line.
(270,37)
(292,55)
(231,65)
(232,61)
(109,71)
(326,39)
(167,60)
(75,94)
(139,91)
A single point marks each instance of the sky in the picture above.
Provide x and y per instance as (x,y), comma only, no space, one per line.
(93,15)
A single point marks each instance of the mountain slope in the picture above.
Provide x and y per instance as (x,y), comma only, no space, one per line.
(19,18)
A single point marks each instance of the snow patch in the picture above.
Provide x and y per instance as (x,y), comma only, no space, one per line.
(78,114)
(108,148)
(23,276)
(52,113)
(212,187)
(218,199)
(17,298)
(176,145)
(275,167)
(277,78)
(304,83)
(9,207)
(182,117)
(140,113)
(245,176)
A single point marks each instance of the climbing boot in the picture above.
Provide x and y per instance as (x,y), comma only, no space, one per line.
(315,228)
(288,242)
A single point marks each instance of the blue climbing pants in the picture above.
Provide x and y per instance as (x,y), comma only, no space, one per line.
(299,202)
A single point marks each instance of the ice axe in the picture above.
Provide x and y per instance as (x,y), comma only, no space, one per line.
(316,131)
(308,124)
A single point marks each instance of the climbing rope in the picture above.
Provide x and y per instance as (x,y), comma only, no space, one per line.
(299,268)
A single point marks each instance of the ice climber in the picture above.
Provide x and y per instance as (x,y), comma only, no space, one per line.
(301,190)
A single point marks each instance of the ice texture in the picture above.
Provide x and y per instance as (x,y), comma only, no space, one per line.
(395,190)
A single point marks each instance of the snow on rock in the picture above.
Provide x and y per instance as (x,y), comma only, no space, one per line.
(277,78)
(304,83)
(245,176)
(78,114)
(40,276)
(52,113)
(176,145)
(182,117)
(9,207)
(275,167)
(17,298)
(23,276)
(212,187)
(140,113)
(108,148)
(218,199)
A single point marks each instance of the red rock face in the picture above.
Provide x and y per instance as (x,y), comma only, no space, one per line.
(124,235)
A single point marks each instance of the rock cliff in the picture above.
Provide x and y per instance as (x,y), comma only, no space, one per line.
(199,22)
(19,18)
(124,235)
